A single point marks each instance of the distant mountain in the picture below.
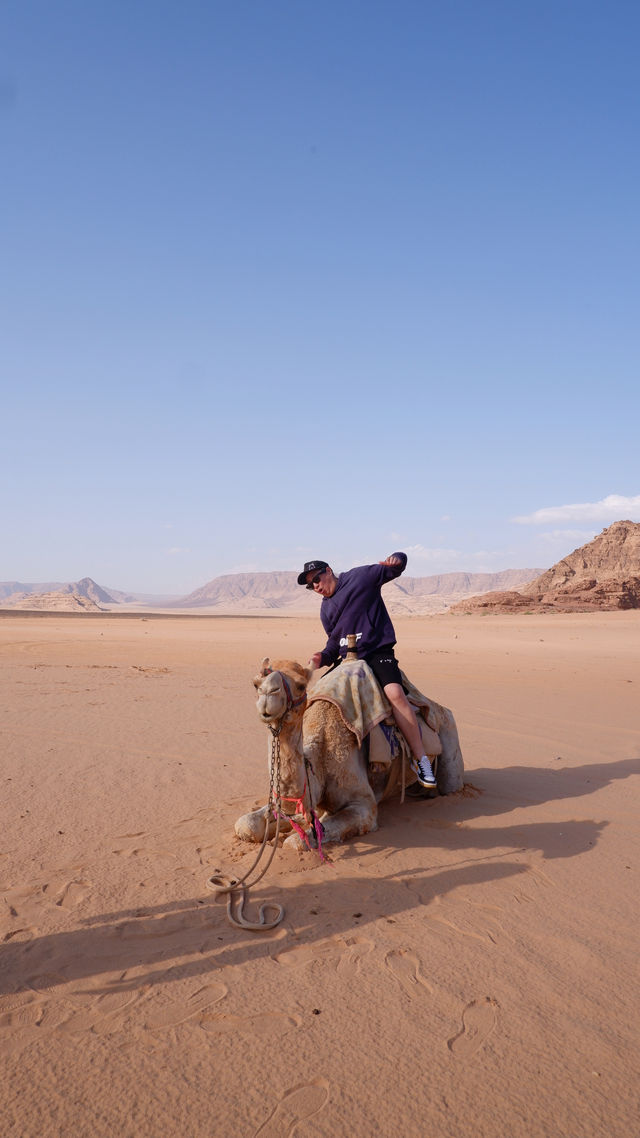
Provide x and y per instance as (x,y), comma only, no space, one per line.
(13,591)
(90,590)
(269,590)
(279,592)
(444,584)
(421,596)
(275,593)
(604,574)
(87,587)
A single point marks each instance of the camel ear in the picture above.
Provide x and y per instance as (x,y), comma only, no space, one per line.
(264,671)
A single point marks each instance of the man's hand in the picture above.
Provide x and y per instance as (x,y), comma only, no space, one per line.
(391,561)
(316,660)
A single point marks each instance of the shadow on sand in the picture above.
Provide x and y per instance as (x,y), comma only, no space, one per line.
(195,932)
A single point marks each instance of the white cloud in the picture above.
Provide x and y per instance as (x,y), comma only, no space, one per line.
(564,535)
(425,554)
(613,508)
(176,549)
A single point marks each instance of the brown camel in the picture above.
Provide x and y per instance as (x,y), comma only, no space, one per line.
(323,769)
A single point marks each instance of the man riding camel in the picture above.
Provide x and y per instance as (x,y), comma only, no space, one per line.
(352,603)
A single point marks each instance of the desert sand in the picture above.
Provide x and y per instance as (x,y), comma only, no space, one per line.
(467,971)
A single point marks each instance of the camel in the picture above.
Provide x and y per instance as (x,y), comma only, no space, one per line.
(324,771)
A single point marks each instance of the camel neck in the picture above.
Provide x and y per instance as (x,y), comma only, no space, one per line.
(292,770)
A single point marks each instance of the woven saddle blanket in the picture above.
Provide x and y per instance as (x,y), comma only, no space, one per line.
(354,690)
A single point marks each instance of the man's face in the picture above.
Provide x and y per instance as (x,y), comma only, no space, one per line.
(323,581)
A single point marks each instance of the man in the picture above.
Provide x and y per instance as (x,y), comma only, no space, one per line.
(352,603)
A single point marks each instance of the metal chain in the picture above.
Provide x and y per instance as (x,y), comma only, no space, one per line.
(274,768)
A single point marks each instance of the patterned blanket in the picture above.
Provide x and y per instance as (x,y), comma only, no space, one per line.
(353,689)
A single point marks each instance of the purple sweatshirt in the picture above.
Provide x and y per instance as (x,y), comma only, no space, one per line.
(357,606)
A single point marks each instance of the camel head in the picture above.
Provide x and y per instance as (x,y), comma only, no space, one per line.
(281,688)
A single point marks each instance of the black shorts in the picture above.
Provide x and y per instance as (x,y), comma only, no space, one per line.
(384,666)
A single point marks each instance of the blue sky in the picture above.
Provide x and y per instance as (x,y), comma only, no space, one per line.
(286,280)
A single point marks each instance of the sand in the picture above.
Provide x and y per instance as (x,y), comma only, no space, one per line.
(470,969)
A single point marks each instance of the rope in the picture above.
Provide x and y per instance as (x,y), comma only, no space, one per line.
(237,888)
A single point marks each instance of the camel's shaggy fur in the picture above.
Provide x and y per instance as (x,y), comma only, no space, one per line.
(343,789)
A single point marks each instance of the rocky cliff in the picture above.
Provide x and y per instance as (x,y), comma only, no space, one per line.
(603,574)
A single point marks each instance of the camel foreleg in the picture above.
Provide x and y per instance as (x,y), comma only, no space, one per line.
(349,822)
(251,827)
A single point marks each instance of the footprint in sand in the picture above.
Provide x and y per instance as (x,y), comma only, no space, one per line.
(19,1011)
(405,966)
(479,1018)
(145,851)
(24,1009)
(23,1020)
(20,935)
(173,1012)
(268,1023)
(344,953)
(297,1104)
(103,1014)
(73,893)
(46,983)
(464,926)
(109,1016)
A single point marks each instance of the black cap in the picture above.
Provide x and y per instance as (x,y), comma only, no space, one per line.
(311,567)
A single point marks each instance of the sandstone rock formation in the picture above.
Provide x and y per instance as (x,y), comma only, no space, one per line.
(52,602)
(604,574)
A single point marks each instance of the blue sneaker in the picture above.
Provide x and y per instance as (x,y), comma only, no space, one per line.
(426,776)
